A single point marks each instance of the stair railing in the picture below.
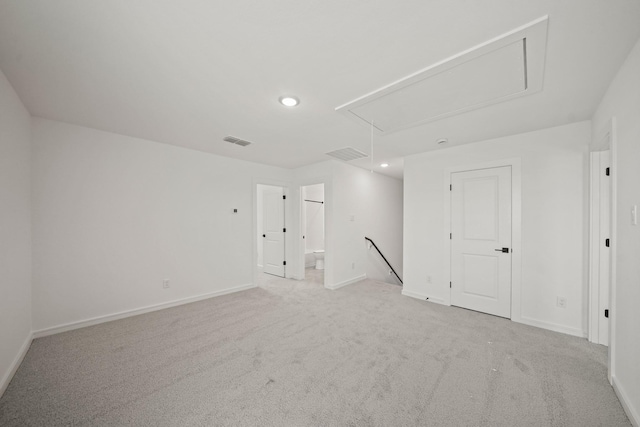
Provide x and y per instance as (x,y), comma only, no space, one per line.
(383,257)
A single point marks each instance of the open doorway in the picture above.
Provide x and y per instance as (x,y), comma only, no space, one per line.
(313,232)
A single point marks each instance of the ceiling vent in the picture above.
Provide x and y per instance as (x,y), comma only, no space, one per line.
(506,67)
(237,141)
(347,154)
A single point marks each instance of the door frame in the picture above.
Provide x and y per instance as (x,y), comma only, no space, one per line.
(516,230)
(603,137)
(596,240)
(288,238)
(328,230)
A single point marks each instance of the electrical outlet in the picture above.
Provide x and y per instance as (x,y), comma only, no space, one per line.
(165,283)
(353,265)
(428,279)
(561,302)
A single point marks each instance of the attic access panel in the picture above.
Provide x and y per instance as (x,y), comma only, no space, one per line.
(486,78)
(506,67)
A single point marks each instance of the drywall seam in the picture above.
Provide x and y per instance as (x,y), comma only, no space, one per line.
(623,397)
(16,364)
(129,313)
(346,282)
(551,326)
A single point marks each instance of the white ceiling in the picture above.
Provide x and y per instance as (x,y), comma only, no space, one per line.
(190,72)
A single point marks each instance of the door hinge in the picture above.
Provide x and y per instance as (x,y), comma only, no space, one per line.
(606,313)
(284,262)
(606,242)
(607,171)
(284,230)
(450,236)
(449,285)
(284,197)
(450,187)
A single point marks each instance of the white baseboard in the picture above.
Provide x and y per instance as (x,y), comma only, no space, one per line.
(422,297)
(346,282)
(525,320)
(15,364)
(623,397)
(123,314)
(551,326)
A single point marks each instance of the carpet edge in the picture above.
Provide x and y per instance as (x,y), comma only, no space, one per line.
(136,311)
(623,397)
(346,282)
(422,297)
(17,361)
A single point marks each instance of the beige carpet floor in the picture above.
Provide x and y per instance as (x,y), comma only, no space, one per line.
(292,353)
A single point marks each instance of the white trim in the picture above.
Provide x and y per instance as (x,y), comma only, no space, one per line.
(516,224)
(129,313)
(594,252)
(423,297)
(15,364)
(613,141)
(346,282)
(599,256)
(602,141)
(623,397)
(576,332)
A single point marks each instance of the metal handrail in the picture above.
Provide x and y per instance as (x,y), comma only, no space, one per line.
(383,257)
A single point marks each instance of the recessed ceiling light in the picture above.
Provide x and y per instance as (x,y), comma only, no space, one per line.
(289,101)
(384,165)
(442,141)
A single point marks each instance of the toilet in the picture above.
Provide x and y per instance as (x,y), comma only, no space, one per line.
(319,254)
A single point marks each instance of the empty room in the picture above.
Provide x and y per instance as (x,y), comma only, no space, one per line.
(319,213)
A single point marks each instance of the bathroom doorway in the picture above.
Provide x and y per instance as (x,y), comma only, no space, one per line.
(313,232)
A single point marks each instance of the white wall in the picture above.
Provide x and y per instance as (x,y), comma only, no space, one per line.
(377,202)
(374,202)
(554,221)
(15,231)
(114,216)
(622,101)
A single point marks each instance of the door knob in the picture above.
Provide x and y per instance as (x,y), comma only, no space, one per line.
(264,235)
(503,250)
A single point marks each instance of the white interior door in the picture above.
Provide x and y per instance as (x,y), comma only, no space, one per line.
(600,251)
(481,240)
(274,231)
(605,251)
